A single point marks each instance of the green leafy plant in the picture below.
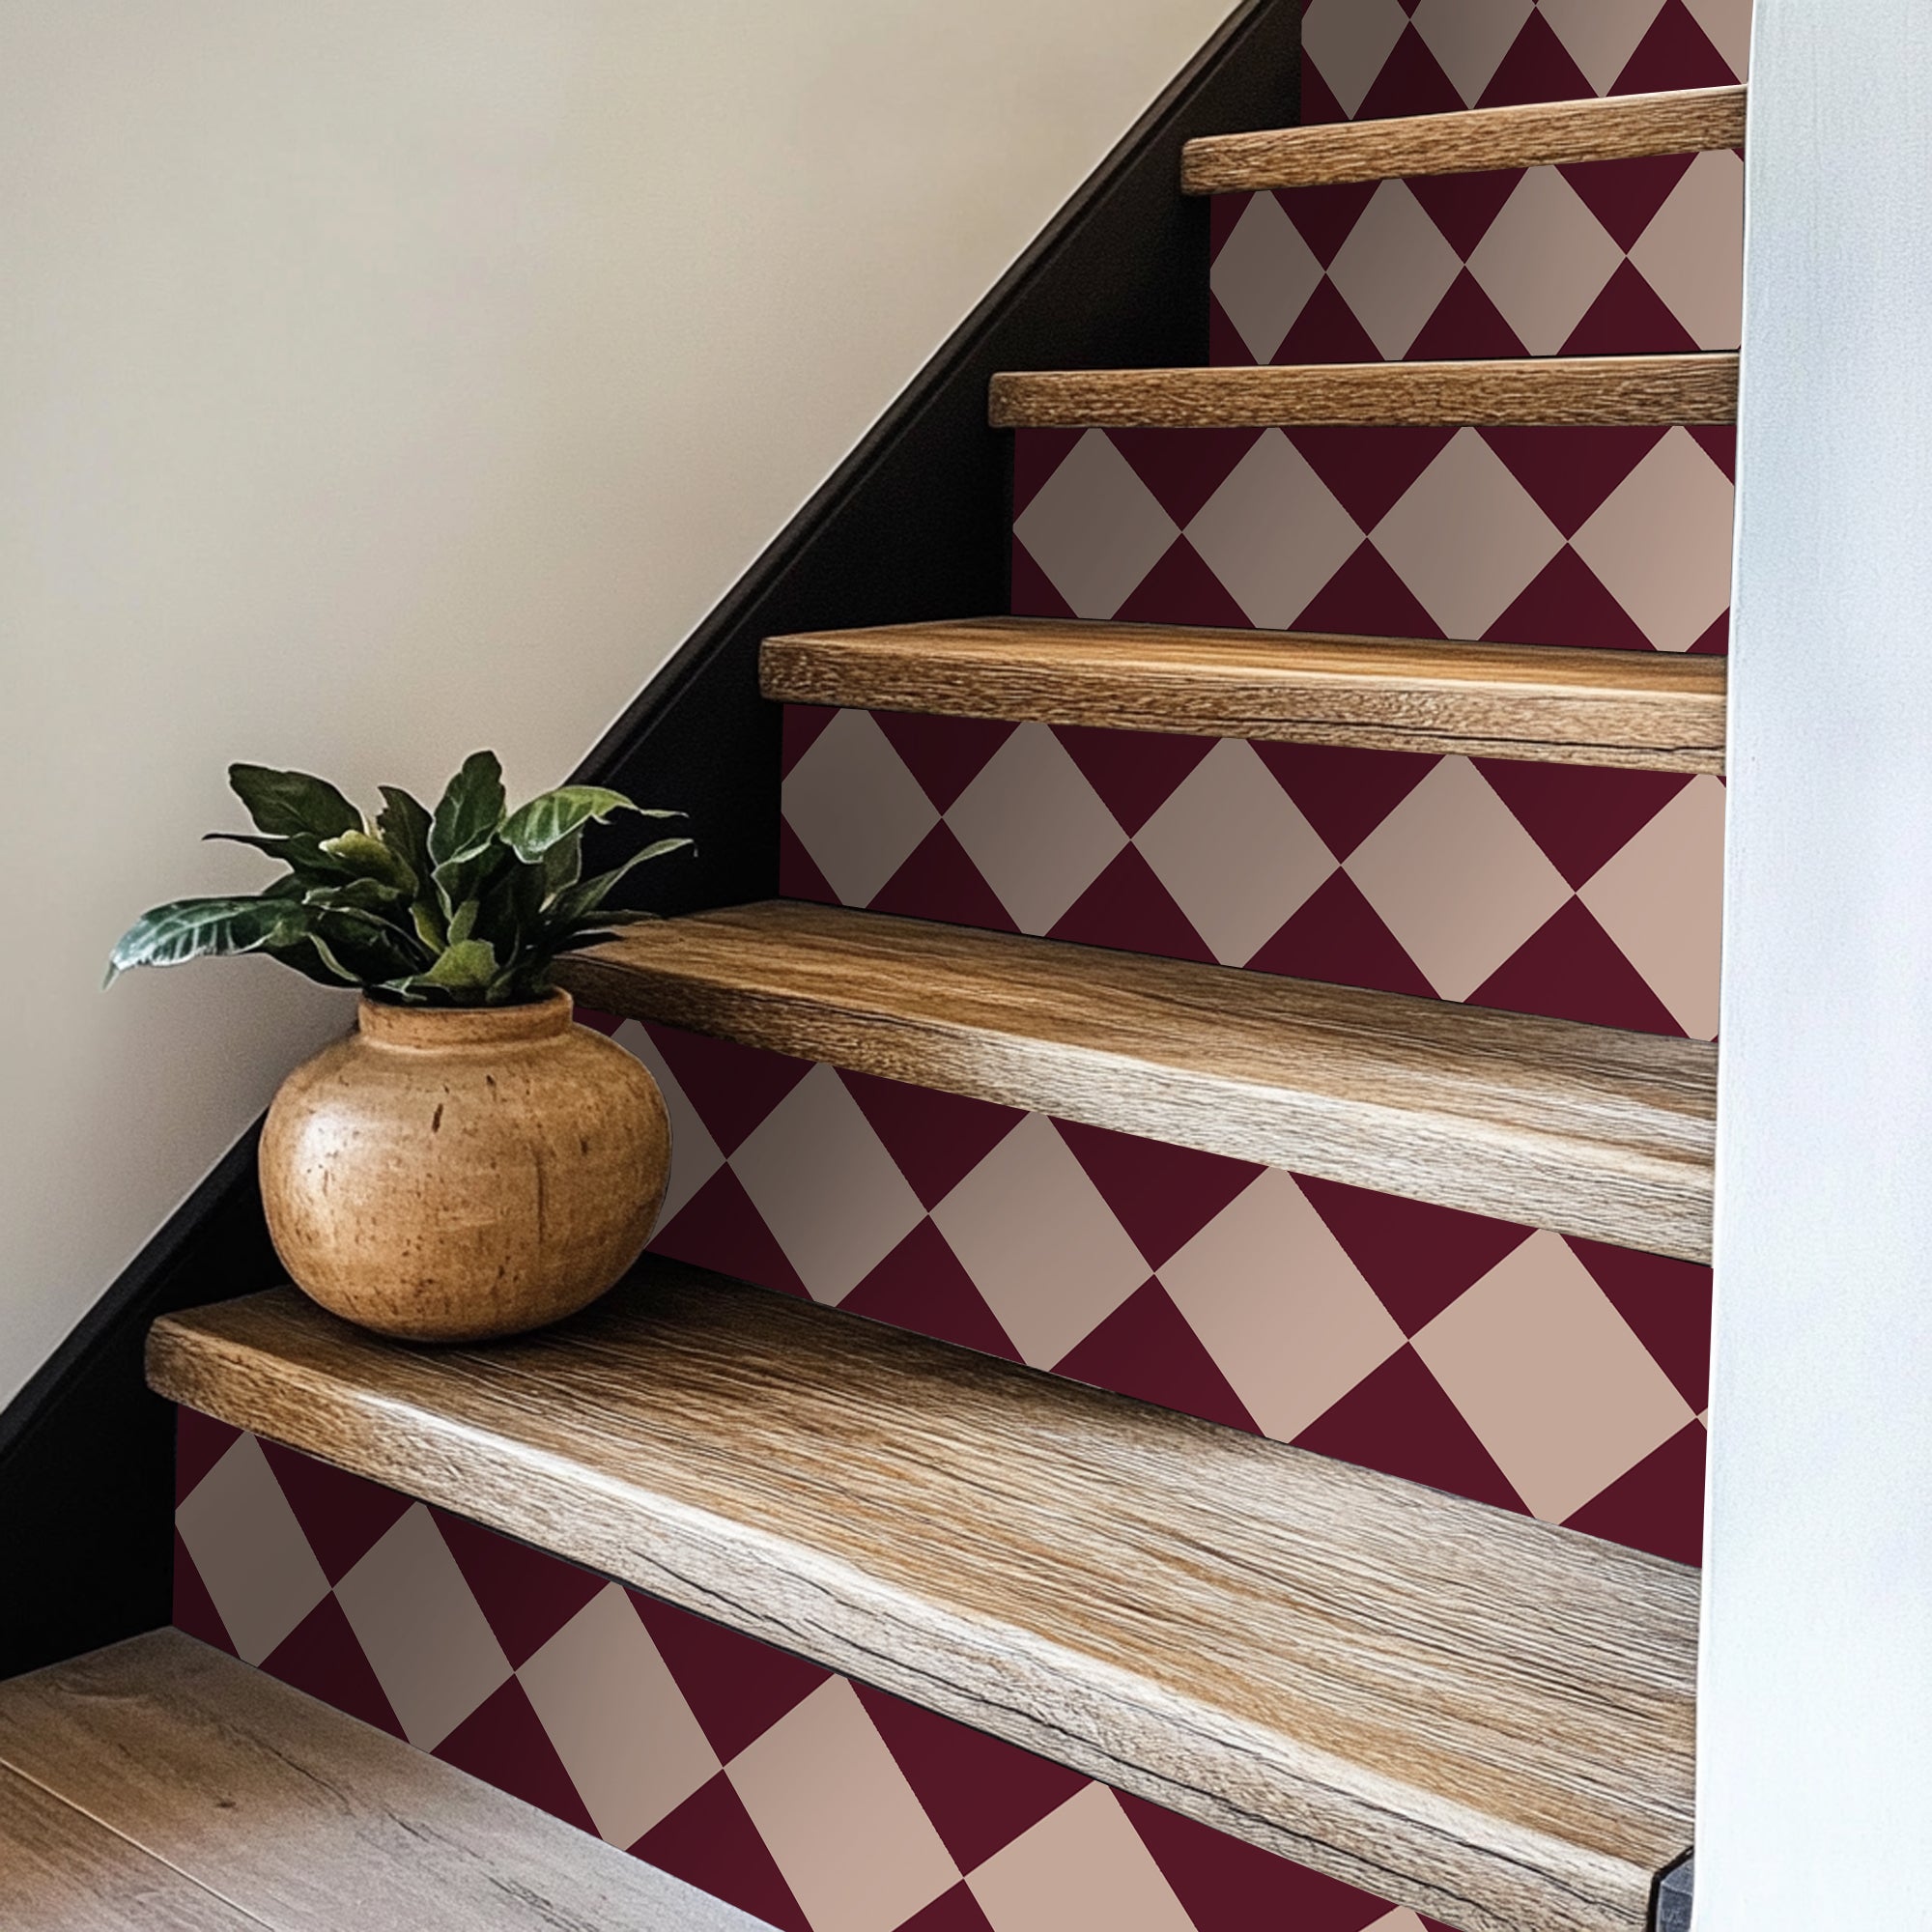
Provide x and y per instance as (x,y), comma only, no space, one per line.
(470,905)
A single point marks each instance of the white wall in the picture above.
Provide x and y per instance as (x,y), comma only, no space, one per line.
(383,378)
(1815,1715)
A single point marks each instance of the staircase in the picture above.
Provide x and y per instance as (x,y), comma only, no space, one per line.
(1453,1707)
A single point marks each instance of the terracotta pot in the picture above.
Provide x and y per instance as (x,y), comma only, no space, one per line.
(448,1174)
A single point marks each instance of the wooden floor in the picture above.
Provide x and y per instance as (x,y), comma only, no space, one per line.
(1578,1128)
(1458,1709)
(160,1786)
(1634,710)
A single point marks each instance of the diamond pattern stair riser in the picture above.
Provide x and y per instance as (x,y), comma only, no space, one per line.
(1510,1366)
(1579,892)
(817,1804)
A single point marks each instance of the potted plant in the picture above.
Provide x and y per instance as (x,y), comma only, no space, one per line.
(466,1162)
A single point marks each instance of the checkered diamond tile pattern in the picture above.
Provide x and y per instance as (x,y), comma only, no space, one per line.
(816,1803)
(1546,889)
(1553,1377)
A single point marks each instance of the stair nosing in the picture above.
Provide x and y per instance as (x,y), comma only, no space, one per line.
(1629,710)
(803,1475)
(1468,141)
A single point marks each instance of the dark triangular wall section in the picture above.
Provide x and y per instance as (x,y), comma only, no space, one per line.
(916,522)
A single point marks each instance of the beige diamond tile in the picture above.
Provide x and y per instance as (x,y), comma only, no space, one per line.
(1280,1306)
(694,1156)
(1456,878)
(617,1719)
(1551,1377)
(1235,851)
(839,1819)
(1728,24)
(1264,275)
(1661,544)
(435,1656)
(1661,898)
(1693,253)
(1039,1242)
(855,808)
(1544,260)
(1347,43)
(829,1191)
(1394,269)
(1273,533)
(1096,528)
(1400,1919)
(260,1572)
(1469,39)
(1082,1869)
(1036,828)
(1600,35)
(1467,538)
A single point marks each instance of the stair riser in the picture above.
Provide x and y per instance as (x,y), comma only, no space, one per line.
(752,1773)
(1596,538)
(1582,894)
(1518,1368)
(1610,258)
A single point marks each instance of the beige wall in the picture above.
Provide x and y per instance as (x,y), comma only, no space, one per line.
(383,378)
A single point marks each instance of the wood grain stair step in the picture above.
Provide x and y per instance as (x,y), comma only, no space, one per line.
(1548,133)
(1644,711)
(1586,390)
(1579,1128)
(1460,1709)
(162,1784)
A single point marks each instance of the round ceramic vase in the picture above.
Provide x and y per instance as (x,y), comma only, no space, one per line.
(448,1174)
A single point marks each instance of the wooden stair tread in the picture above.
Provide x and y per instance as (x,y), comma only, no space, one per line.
(1556,390)
(1579,1128)
(1654,711)
(1544,134)
(1459,1708)
(282,1813)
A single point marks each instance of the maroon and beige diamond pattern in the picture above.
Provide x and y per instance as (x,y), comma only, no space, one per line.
(815,1803)
(1584,894)
(1554,1376)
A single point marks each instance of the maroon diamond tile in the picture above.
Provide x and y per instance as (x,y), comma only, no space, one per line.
(1182,589)
(342,1516)
(1464,207)
(1183,467)
(710,1841)
(718,1228)
(1226,1886)
(194,1608)
(1135,773)
(1319,106)
(732,1086)
(1466,326)
(798,877)
(737,1687)
(1037,454)
(940,881)
(1581,815)
(954,1911)
(1569,474)
(321,1657)
(1659,1506)
(981,1793)
(1032,592)
(1366,598)
(1326,330)
(1145,1349)
(1339,938)
(1626,195)
(1573,970)
(1716,643)
(1720,442)
(921,1287)
(945,755)
(200,1442)
(1418,1258)
(1343,791)
(1400,1421)
(526,1595)
(802,726)
(1227,347)
(1369,470)
(1537,68)
(935,1139)
(1162,1195)
(1667,1304)
(503,1742)
(1676,52)
(1128,909)
(1628,318)
(1325,217)
(1411,82)
(1567,604)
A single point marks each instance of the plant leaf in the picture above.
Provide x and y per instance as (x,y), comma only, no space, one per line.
(369,857)
(579,901)
(468,813)
(465,922)
(563,865)
(532,829)
(281,802)
(186,929)
(404,822)
(463,971)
